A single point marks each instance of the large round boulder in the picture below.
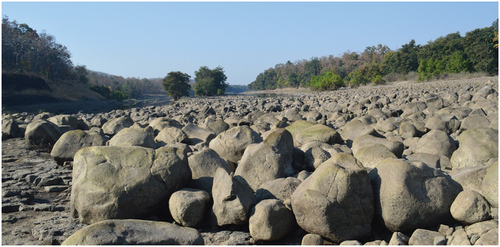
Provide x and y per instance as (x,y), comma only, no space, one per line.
(133,137)
(203,165)
(113,126)
(336,201)
(318,132)
(125,182)
(270,220)
(188,206)
(476,147)
(231,143)
(41,132)
(436,142)
(72,141)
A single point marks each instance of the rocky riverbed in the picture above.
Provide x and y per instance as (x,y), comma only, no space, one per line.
(397,164)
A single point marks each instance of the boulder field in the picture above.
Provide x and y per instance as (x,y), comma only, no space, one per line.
(402,164)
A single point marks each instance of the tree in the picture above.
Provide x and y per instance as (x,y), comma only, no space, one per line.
(176,84)
(210,82)
(327,81)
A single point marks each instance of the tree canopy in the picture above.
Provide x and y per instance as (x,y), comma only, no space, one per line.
(176,84)
(210,82)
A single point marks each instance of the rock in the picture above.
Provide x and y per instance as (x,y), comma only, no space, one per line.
(203,165)
(170,135)
(64,119)
(312,239)
(140,232)
(197,135)
(470,178)
(355,129)
(398,238)
(370,155)
(227,238)
(411,196)
(476,147)
(113,126)
(475,231)
(268,160)
(281,189)
(161,123)
(315,153)
(436,142)
(298,126)
(473,122)
(444,122)
(270,220)
(218,126)
(319,133)
(459,237)
(187,206)
(351,242)
(488,238)
(9,128)
(395,147)
(40,132)
(231,143)
(72,141)
(489,186)
(336,201)
(407,130)
(470,207)
(125,182)
(423,237)
(133,137)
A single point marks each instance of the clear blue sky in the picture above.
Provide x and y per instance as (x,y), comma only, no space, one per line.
(148,40)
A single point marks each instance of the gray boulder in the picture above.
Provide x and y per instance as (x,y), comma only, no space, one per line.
(270,220)
(218,126)
(315,152)
(64,119)
(113,126)
(355,129)
(411,196)
(470,207)
(232,199)
(281,189)
(188,206)
(318,132)
(268,160)
(133,137)
(370,155)
(170,135)
(396,147)
(474,121)
(125,182)
(476,147)
(72,141)
(336,201)
(231,143)
(197,135)
(9,128)
(40,132)
(203,165)
(489,185)
(424,237)
(139,232)
(436,142)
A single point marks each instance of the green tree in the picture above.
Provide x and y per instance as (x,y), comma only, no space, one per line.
(210,82)
(176,84)
(327,81)
(457,63)
(480,49)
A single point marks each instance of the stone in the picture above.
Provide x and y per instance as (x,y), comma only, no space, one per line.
(218,126)
(470,207)
(474,121)
(444,122)
(488,238)
(132,231)
(318,132)
(312,239)
(203,165)
(268,160)
(489,185)
(64,119)
(396,147)
(459,237)
(436,142)
(187,206)
(9,128)
(113,126)
(231,144)
(423,237)
(296,127)
(351,242)
(398,238)
(270,220)
(281,189)
(355,129)
(41,132)
(411,196)
(470,178)
(232,200)
(336,201)
(170,135)
(72,141)
(315,153)
(197,135)
(125,182)
(370,155)
(133,137)
(161,123)
(476,147)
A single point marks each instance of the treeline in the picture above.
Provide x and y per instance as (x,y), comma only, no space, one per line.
(477,51)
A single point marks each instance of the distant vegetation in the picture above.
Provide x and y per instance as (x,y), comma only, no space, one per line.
(477,51)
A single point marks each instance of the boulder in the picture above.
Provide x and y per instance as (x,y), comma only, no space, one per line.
(470,178)
(470,207)
(270,220)
(489,185)
(133,137)
(9,128)
(231,143)
(478,230)
(203,165)
(218,126)
(315,152)
(424,237)
(113,126)
(41,132)
(188,206)
(411,196)
(459,237)
(488,238)
(232,199)
(125,182)
(64,119)
(398,238)
(371,154)
(396,147)
(72,141)
(476,147)
(197,135)
(161,123)
(281,189)
(355,129)
(336,201)
(268,160)
(298,126)
(474,121)
(436,142)
(138,232)
(312,239)
(170,135)
(318,132)
(444,122)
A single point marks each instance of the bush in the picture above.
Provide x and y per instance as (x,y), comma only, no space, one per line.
(328,81)
(378,80)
